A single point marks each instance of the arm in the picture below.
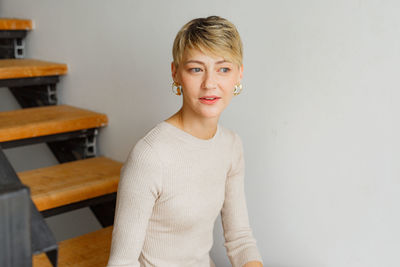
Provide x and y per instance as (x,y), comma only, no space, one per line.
(239,241)
(138,189)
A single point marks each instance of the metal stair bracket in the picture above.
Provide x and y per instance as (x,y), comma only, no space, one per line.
(12,44)
(33,91)
(80,147)
(35,95)
(68,147)
(23,231)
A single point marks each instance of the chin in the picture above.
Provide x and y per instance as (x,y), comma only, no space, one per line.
(211,114)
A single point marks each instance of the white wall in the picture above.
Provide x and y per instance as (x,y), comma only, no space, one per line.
(317,114)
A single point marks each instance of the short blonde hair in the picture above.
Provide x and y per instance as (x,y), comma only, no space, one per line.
(213,34)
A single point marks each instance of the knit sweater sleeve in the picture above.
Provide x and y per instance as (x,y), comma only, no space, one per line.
(138,189)
(239,241)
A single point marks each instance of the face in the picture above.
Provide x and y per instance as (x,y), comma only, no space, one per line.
(203,75)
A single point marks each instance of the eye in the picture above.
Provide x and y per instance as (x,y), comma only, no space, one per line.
(224,69)
(195,69)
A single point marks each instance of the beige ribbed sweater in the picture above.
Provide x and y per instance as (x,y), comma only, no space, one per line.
(172,187)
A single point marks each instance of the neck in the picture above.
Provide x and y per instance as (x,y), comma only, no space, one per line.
(204,128)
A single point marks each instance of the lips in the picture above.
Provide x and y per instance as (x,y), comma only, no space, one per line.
(210,97)
(209,100)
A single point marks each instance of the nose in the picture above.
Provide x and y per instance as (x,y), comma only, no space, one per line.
(209,80)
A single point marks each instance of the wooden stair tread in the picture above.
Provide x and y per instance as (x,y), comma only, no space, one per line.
(72,182)
(26,68)
(11,24)
(47,120)
(87,250)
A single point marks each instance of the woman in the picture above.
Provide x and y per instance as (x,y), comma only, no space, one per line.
(188,168)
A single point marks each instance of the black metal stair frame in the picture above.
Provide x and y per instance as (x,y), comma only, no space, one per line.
(23,229)
(12,43)
(66,147)
(41,91)
(76,145)
(33,91)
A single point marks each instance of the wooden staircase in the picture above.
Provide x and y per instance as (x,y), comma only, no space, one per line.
(25,68)
(91,249)
(81,179)
(15,24)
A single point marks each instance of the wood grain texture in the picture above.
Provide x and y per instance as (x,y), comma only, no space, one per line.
(88,250)
(25,68)
(15,24)
(40,121)
(72,182)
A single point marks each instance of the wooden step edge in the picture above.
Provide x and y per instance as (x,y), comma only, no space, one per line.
(28,68)
(41,121)
(88,250)
(12,24)
(72,182)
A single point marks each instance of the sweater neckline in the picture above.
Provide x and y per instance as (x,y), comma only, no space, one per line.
(190,138)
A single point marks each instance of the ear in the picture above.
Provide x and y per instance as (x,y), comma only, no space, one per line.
(241,72)
(173,71)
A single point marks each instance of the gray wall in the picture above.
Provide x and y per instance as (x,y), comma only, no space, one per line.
(317,114)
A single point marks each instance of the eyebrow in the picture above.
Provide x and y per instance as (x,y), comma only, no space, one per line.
(202,63)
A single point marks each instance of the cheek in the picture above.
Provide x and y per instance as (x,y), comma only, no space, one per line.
(228,85)
(229,80)
(190,81)
(186,79)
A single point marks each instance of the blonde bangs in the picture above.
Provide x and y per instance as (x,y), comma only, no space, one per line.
(212,35)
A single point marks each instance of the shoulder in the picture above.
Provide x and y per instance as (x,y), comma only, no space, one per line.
(142,171)
(151,140)
(159,139)
(145,149)
(156,142)
(235,143)
(232,137)
(142,156)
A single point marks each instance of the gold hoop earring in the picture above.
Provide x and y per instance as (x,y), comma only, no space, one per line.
(178,88)
(238,89)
